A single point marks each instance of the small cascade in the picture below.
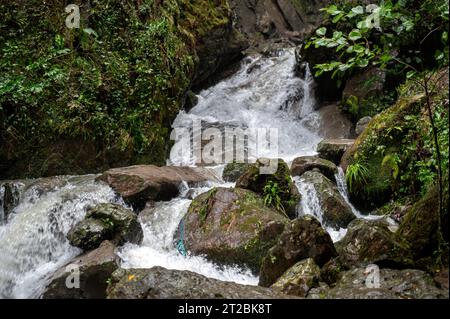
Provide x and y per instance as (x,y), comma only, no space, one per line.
(310,205)
(33,244)
(2,203)
(158,249)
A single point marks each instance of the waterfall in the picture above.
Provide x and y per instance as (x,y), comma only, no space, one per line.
(264,93)
(33,243)
(2,203)
(310,205)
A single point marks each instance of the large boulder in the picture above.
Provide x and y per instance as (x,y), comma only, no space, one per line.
(334,123)
(371,242)
(302,238)
(231,226)
(393,284)
(301,165)
(333,150)
(336,213)
(382,154)
(299,279)
(278,184)
(94,269)
(160,283)
(139,184)
(106,222)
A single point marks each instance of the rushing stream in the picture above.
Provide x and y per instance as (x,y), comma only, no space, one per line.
(264,93)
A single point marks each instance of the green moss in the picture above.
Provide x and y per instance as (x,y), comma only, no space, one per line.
(114,86)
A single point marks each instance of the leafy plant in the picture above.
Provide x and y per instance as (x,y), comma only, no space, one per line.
(356,175)
(272,196)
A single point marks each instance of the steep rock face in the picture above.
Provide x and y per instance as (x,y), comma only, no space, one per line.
(144,56)
(231,226)
(377,187)
(94,270)
(302,238)
(420,225)
(279,18)
(160,283)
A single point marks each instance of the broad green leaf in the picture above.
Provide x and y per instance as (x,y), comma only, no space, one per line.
(354,35)
(321,31)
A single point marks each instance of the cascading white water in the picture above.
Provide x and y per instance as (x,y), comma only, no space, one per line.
(33,243)
(264,93)
(160,224)
(310,205)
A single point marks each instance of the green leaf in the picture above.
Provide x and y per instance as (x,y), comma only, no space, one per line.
(410,74)
(354,35)
(321,31)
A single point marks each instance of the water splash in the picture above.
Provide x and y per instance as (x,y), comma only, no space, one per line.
(310,205)
(33,244)
(264,93)
(160,224)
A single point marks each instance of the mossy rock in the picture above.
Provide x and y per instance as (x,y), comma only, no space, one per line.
(371,242)
(106,222)
(233,171)
(384,137)
(231,226)
(255,180)
(302,238)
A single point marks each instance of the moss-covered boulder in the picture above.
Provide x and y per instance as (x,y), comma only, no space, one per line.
(231,226)
(106,222)
(301,165)
(334,149)
(233,171)
(371,242)
(420,225)
(299,279)
(302,238)
(277,187)
(336,213)
(376,160)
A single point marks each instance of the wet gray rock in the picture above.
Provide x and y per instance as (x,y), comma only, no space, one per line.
(160,283)
(231,226)
(334,149)
(95,269)
(394,284)
(233,171)
(299,279)
(301,165)
(371,242)
(139,184)
(336,213)
(106,222)
(302,238)
(362,124)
